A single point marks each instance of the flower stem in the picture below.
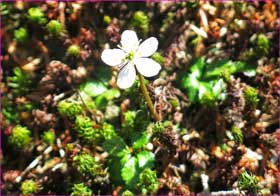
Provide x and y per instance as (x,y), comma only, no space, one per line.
(148,98)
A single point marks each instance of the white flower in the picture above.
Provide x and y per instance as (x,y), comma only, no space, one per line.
(132,54)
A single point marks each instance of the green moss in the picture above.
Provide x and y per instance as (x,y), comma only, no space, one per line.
(55,28)
(265,191)
(107,19)
(20,137)
(36,15)
(174,102)
(29,187)
(225,75)
(69,109)
(251,96)
(81,189)
(248,182)
(208,99)
(262,45)
(148,182)
(87,165)
(5,10)
(84,127)
(48,137)
(237,134)
(159,127)
(129,120)
(20,82)
(108,131)
(73,50)
(21,35)
(140,21)
(9,111)
(260,48)
(127,193)
(224,147)
(158,58)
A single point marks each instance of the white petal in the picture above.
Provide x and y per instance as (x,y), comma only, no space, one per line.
(126,76)
(129,40)
(147,67)
(113,57)
(148,47)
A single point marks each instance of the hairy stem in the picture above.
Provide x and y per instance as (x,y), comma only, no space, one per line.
(148,98)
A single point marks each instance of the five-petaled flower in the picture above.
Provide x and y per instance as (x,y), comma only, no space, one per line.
(132,54)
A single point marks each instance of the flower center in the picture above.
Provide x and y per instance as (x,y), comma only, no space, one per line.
(130,55)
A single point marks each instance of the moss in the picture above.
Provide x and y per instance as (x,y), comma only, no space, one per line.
(129,120)
(69,109)
(159,127)
(237,134)
(36,15)
(48,137)
(20,82)
(84,127)
(262,45)
(140,21)
(260,48)
(224,147)
(248,182)
(108,131)
(107,19)
(208,99)
(81,189)
(127,193)
(20,137)
(174,102)
(9,112)
(158,58)
(73,50)
(87,165)
(148,182)
(251,96)
(265,191)
(21,35)
(29,187)
(225,75)
(55,28)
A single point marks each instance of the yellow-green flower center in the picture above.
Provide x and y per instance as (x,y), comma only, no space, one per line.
(130,55)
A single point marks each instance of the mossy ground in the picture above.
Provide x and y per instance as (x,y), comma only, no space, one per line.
(216,95)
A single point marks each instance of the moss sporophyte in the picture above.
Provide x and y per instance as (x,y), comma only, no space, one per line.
(130,55)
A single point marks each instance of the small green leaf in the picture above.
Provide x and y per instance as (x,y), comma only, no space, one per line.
(116,164)
(214,69)
(101,102)
(145,159)
(126,156)
(140,141)
(112,93)
(116,146)
(219,87)
(243,67)
(204,87)
(191,84)
(114,169)
(129,172)
(93,88)
(119,155)
(197,67)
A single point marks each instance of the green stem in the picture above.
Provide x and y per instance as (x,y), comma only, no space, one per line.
(148,98)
